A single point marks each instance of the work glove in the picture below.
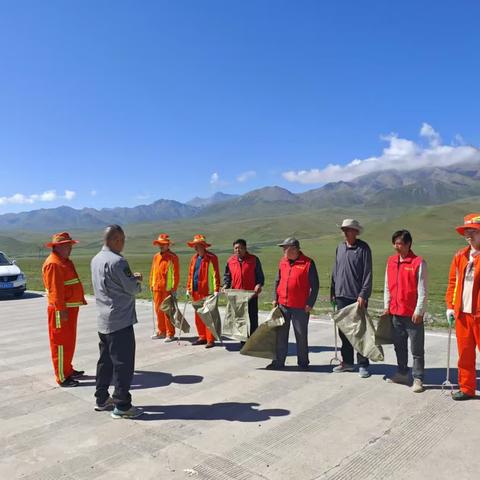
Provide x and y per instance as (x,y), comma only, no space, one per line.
(173,294)
(333,303)
(450,314)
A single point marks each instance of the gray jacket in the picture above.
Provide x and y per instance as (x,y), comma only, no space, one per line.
(352,271)
(115,288)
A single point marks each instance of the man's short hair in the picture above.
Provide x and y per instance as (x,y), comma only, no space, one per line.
(111,232)
(240,241)
(403,235)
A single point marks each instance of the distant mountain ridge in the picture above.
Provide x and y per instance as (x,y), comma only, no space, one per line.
(384,189)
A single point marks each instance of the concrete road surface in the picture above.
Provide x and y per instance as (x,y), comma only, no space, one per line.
(215,414)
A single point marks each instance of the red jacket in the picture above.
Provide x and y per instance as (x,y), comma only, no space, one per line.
(454,292)
(293,287)
(208,276)
(243,273)
(402,284)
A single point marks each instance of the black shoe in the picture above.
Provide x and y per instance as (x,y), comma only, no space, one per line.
(304,368)
(200,341)
(69,382)
(77,373)
(209,345)
(274,366)
(461,396)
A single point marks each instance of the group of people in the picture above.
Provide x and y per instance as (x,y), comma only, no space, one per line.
(295,293)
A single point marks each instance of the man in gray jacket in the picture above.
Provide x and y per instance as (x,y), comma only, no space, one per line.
(115,287)
(351,282)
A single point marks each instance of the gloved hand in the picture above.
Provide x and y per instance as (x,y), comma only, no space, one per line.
(333,303)
(173,294)
(450,314)
(188,294)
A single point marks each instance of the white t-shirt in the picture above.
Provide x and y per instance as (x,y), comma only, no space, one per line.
(468,283)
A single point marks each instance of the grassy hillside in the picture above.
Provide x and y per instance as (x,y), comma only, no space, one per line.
(432,229)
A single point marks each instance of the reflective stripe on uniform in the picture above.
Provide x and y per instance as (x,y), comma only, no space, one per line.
(211,278)
(61,375)
(170,276)
(73,304)
(58,322)
(73,281)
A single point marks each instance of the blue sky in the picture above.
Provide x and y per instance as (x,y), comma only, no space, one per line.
(117,103)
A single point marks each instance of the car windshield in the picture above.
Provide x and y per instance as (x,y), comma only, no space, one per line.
(4,260)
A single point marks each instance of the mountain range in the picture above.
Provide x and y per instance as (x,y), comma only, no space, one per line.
(384,189)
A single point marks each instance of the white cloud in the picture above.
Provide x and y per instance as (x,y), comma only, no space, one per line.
(243,177)
(93,193)
(47,196)
(69,195)
(214,179)
(400,154)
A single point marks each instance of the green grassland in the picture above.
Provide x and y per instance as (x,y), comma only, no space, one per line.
(432,229)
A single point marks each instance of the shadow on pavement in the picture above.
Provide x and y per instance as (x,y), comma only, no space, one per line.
(230,411)
(147,379)
(25,296)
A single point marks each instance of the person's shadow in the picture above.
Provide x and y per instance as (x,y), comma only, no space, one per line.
(230,411)
(147,379)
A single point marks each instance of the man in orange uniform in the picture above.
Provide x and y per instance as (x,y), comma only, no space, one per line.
(203,280)
(463,304)
(164,278)
(65,295)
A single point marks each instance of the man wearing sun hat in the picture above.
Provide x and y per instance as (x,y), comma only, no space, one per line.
(463,304)
(164,278)
(351,282)
(203,280)
(65,295)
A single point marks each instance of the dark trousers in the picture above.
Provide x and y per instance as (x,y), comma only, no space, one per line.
(403,329)
(347,349)
(299,318)
(253,313)
(117,364)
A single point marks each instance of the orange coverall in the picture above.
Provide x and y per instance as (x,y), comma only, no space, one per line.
(65,292)
(467,325)
(208,283)
(164,278)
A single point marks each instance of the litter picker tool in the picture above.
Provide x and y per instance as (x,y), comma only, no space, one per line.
(335,360)
(447,383)
(154,322)
(183,318)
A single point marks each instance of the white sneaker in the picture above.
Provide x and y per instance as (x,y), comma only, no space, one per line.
(169,339)
(417,386)
(343,367)
(401,378)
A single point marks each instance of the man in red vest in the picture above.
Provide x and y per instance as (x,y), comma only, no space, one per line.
(296,290)
(405,299)
(463,304)
(244,272)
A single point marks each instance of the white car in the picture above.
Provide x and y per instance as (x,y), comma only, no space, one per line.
(12,279)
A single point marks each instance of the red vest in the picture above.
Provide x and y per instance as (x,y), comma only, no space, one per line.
(294,286)
(243,273)
(402,284)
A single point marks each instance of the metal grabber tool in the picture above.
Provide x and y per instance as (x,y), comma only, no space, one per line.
(447,383)
(335,360)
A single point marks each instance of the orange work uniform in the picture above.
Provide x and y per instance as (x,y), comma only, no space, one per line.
(206,283)
(164,278)
(467,325)
(65,292)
